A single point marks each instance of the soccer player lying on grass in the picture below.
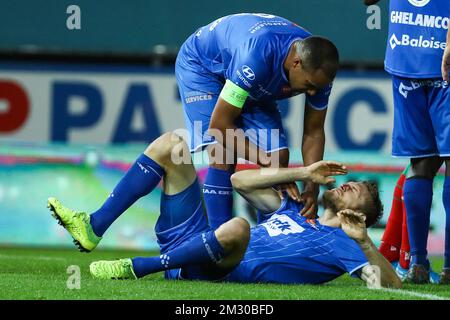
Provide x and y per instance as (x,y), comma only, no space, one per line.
(283,248)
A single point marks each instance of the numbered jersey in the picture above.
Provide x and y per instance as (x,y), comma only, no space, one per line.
(287,248)
(248,49)
(417,36)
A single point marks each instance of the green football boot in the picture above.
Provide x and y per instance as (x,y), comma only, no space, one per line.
(117,269)
(77,223)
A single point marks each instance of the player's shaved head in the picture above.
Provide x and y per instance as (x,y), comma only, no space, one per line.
(318,53)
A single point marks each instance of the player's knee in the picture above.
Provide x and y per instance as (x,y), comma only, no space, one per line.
(234,234)
(425,167)
(164,148)
(244,228)
(241,232)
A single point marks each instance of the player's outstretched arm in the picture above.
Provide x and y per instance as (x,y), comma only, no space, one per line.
(446,59)
(353,224)
(256,185)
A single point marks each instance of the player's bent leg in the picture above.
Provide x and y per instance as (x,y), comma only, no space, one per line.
(233,236)
(184,237)
(172,153)
(203,254)
(143,176)
(208,256)
(226,248)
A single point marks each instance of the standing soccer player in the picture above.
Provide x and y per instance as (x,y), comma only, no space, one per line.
(230,74)
(414,56)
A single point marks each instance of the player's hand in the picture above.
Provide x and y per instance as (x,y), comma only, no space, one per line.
(291,189)
(353,224)
(309,199)
(445,68)
(320,172)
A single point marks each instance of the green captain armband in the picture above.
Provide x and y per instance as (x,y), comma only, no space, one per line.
(233,94)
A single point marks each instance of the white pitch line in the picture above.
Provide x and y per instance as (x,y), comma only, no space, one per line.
(415,294)
(6,256)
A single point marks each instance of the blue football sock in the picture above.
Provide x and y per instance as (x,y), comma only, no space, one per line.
(446,201)
(418,195)
(143,176)
(218,195)
(201,249)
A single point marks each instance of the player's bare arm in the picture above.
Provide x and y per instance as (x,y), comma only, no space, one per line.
(446,59)
(256,185)
(353,224)
(313,145)
(223,119)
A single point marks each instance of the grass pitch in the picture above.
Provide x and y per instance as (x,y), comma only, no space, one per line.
(42,274)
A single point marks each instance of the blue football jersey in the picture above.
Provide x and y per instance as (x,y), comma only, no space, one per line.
(417,36)
(248,49)
(287,248)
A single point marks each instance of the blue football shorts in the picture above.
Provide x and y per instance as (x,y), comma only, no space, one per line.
(421,118)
